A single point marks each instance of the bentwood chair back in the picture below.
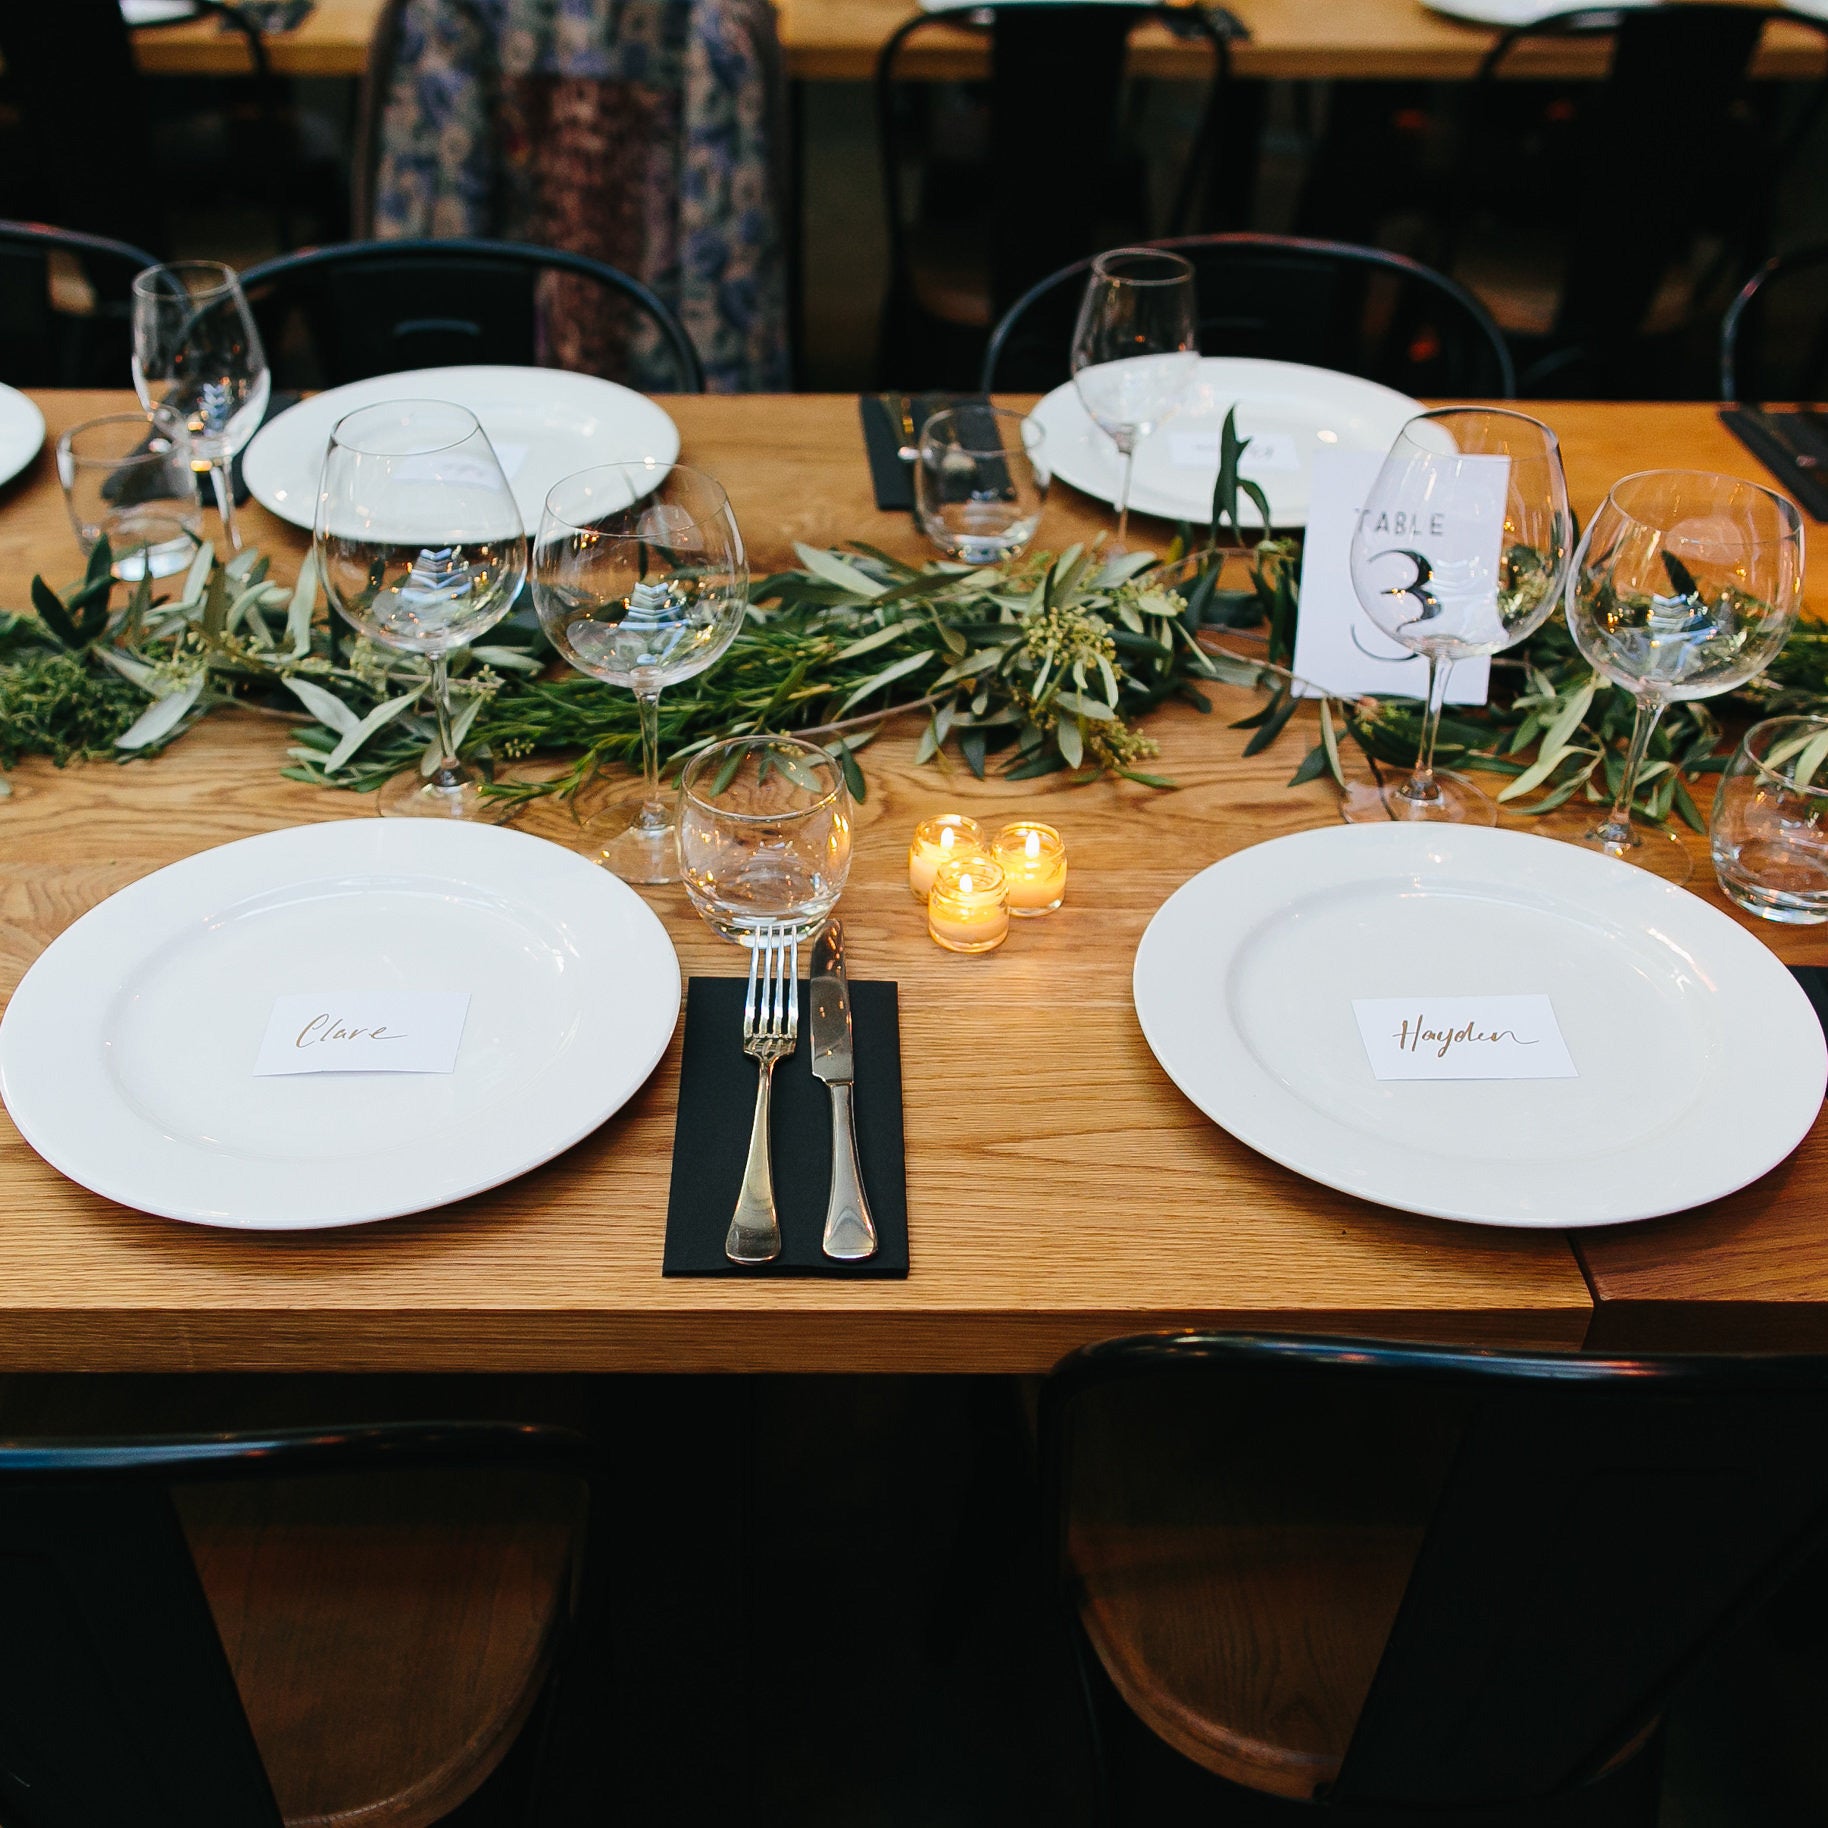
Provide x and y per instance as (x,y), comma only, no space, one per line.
(65,307)
(1642,201)
(360,308)
(970,226)
(124,1674)
(1415,1578)
(1358,310)
(1774,337)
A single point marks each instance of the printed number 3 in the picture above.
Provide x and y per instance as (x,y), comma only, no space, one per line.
(1427,605)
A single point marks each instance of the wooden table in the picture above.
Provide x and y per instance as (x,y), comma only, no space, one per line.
(1059,1188)
(332,41)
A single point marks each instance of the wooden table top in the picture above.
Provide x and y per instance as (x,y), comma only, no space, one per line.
(837,41)
(1059,1188)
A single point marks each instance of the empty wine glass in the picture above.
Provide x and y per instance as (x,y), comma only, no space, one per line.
(980,481)
(420,546)
(1135,351)
(1461,548)
(1685,586)
(639,578)
(196,351)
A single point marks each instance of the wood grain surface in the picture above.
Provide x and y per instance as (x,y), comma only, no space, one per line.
(331,41)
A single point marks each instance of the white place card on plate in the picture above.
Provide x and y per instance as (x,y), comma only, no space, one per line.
(1508,1037)
(1338,648)
(1266,454)
(364,1031)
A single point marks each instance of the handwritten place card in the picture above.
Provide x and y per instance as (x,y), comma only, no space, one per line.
(1463,1038)
(364,1031)
(1267,453)
(1338,648)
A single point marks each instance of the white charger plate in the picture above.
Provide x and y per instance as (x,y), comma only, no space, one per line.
(21,432)
(545,423)
(127,1053)
(1293,410)
(1701,1061)
(1515,12)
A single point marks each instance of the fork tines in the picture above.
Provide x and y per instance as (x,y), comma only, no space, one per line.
(771,1007)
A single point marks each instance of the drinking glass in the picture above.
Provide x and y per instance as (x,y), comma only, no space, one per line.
(1461,548)
(980,480)
(196,351)
(128,476)
(764,836)
(1135,351)
(1769,832)
(420,546)
(1684,586)
(640,580)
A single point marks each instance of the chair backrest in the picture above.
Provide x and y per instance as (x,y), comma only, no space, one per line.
(1774,337)
(117,1703)
(1427,1577)
(65,307)
(360,308)
(1359,310)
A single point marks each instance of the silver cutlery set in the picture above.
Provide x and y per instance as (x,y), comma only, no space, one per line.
(771,1031)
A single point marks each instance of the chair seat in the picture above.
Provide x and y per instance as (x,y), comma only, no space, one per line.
(1249,1650)
(389,1634)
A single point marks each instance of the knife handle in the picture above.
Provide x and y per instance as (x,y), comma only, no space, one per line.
(850,1232)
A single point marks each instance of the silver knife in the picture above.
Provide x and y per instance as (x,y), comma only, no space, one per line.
(850,1232)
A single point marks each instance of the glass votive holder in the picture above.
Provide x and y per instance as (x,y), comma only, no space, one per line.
(1769,832)
(968,910)
(950,834)
(1033,857)
(129,476)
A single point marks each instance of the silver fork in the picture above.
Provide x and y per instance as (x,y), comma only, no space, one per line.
(771,1026)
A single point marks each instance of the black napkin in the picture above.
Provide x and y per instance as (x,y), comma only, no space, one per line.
(884,434)
(1814,980)
(276,404)
(1792,445)
(711,1137)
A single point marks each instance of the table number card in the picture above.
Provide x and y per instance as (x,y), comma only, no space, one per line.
(1463,1038)
(1338,648)
(365,1031)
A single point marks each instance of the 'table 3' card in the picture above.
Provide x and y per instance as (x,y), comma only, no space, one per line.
(363,1031)
(1463,1038)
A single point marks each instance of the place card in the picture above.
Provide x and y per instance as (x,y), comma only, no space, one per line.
(1463,1038)
(1338,648)
(363,1031)
(1265,454)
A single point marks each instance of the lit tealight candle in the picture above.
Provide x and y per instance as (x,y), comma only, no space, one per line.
(968,910)
(935,842)
(1033,857)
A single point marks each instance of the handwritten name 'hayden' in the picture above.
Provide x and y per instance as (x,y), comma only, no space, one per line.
(1412,1037)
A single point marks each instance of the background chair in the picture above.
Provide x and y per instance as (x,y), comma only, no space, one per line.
(297,1645)
(1774,337)
(65,307)
(983,197)
(337,314)
(1418,1580)
(1358,310)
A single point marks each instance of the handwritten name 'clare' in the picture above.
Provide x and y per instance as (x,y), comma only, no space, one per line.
(323,1029)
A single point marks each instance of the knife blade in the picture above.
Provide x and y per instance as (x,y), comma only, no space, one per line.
(850,1232)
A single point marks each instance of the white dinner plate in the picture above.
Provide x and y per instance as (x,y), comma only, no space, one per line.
(1701,1063)
(127,1053)
(1291,410)
(21,432)
(545,424)
(1515,12)
(156,12)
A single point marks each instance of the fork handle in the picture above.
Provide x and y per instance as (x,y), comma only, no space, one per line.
(850,1232)
(755,1232)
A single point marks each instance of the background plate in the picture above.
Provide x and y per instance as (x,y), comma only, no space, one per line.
(21,432)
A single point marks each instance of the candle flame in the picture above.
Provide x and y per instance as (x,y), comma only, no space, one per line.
(1033,844)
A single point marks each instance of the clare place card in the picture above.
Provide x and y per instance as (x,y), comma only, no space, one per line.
(363,1031)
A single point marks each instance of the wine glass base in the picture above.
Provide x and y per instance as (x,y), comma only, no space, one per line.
(412,796)
(1366,801)
(1654,848)
(638,852)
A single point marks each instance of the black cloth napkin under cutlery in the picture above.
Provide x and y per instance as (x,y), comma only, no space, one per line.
(711,1137)
(892,422)
(1814,980)
(1792,443)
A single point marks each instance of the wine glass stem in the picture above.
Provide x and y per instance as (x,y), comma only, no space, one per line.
(449,772)
(654,810)
(1422,784)
(225,498)
(1127,447)
(1615,834)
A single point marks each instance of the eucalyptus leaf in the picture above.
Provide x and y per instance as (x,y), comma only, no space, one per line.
(377,719)
(326,707)
(162,716)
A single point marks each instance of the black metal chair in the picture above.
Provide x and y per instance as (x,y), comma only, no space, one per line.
(1638,199)
(1774,337)
(117,1699)
(1052,181)
(335,314)
(1359,310)
(65,306)
(1448,1585)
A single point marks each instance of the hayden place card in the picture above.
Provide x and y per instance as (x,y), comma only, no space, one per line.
(1338,648)
(1508,1037)
(363,1031)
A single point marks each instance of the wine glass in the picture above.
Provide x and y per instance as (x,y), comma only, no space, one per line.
(1135,351)
(421,547)
(196,351)
(639,578)
(1461,548)
(1685,586)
